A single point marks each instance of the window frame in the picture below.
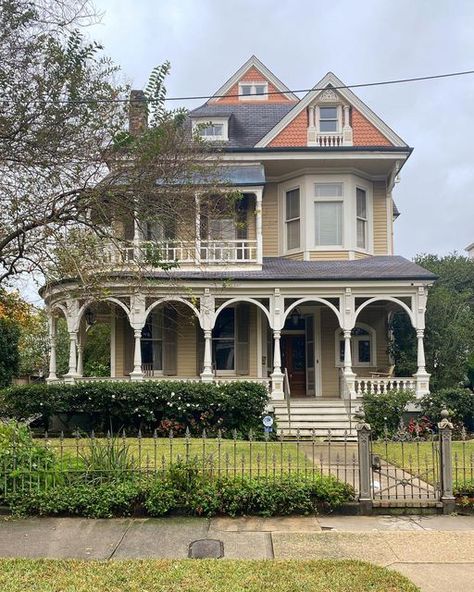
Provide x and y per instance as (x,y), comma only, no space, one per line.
(365,220)
(336,119)
(160,312)
(253,96)
(339,338)
(228,372)
(208,122)
(329,199)
(286,220)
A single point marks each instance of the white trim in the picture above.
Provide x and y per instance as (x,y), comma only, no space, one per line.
(253,96)
(339,336)
(224,121)
(331,80)
(254,62)
(318,381)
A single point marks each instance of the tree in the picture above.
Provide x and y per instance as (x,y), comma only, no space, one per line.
(449,334)
(13,313)
(68,170)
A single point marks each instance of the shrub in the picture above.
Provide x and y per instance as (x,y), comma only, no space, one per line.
(383,411)
(147,405)
(106,459)
(230,496)
(459,402)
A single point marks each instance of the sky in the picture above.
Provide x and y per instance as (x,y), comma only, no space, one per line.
(363,41)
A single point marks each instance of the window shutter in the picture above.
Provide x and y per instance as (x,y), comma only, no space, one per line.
(199,349)
(242,339)
(170,342)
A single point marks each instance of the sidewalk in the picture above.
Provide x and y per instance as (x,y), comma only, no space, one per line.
(433,551)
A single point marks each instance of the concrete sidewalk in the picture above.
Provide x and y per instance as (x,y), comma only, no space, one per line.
(431,550)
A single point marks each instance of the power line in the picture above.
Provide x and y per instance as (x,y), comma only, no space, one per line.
(268,93)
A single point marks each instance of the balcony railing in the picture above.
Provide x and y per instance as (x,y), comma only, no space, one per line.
(155,253)
(376,386)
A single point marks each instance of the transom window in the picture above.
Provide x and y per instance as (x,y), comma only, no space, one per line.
(328,119)
(292,220)
(362,346)
(328,214)
(253,90)
(223,340)
(361,197)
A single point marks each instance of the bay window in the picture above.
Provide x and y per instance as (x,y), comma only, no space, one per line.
(328,214)
(361,198)
(292,219)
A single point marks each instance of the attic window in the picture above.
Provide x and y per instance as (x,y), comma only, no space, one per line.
(253,91)
(214,130)
(328,119)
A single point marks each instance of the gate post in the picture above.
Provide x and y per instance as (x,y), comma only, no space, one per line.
(445,428)
(365,465)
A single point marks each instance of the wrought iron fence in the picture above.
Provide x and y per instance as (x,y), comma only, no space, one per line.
(52,461)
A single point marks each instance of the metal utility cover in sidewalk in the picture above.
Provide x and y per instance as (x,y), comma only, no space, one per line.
(206,549)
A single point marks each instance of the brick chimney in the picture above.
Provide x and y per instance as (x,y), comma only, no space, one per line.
(137,113)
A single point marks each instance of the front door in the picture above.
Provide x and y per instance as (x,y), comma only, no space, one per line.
(294,360)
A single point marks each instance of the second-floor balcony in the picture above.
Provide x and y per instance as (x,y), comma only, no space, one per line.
(182,253)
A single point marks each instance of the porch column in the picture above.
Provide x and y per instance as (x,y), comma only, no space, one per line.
(349,375)
(80,359)
(277,375)
(137,373)
(258,220)
(52,376)
(207,374)
(72,372)
(422,377)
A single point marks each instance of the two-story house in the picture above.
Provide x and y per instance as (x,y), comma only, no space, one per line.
(300,298)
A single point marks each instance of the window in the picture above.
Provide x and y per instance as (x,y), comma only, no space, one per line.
(152,341)
(328,214)
(362,346)
(221,229)
(292,219)
(253,91)
(361,197)
(214,130)
(223,340)
(328,119)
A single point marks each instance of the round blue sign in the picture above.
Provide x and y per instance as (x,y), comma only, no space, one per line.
(267,421)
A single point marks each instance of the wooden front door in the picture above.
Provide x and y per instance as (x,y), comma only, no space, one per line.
(294,360)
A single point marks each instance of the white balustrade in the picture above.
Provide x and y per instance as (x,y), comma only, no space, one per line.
(329,139)
(376,386)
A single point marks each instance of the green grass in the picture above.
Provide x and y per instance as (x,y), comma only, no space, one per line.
(278,457)
(21,575)
(421,457)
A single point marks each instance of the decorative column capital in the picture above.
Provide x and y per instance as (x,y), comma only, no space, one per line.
(420,333)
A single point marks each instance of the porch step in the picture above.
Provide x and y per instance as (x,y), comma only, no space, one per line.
(316,417)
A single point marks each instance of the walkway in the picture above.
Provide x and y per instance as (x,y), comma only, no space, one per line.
(434,551)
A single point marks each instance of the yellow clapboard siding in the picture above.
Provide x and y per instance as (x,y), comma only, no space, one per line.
(328,255)
(270,221)
(381,232)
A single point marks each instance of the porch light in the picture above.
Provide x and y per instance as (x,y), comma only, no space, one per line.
(295,317)
(90,317)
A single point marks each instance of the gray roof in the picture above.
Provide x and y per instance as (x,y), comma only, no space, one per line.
(247,123)
(279,268)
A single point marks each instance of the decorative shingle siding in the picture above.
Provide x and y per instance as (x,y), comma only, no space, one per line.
(252,75)
(365,133)
(295,133)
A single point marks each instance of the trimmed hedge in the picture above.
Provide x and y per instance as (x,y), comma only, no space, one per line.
(226,496)
(148,405)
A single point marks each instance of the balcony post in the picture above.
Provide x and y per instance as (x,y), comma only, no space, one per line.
(207,375)
(197,201)
(258,221)
(136,239)
(52,376)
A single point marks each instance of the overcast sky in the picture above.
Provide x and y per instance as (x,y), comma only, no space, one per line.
(363,41)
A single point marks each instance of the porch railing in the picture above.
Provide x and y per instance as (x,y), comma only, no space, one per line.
(382,385)
(153,253)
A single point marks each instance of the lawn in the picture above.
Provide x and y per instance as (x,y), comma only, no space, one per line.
(221,456)
(421,457)
(20,575)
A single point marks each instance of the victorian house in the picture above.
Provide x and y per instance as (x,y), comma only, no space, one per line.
(301,297)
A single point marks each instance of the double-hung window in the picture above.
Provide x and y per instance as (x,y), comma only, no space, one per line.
(328,214)
(292,219)
(223,340)
(361,198)
(328,119)
(152,341)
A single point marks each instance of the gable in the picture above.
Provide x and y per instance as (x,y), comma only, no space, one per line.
(358,124)
(253,71)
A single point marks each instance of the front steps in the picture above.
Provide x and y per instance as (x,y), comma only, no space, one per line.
(320,415)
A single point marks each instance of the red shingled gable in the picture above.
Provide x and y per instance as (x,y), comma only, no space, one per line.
(253,75)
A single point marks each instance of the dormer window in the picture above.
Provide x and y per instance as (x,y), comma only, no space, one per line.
(328,119)
(214,130)
(253,91)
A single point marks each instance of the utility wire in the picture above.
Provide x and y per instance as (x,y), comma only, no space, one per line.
(276,92)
